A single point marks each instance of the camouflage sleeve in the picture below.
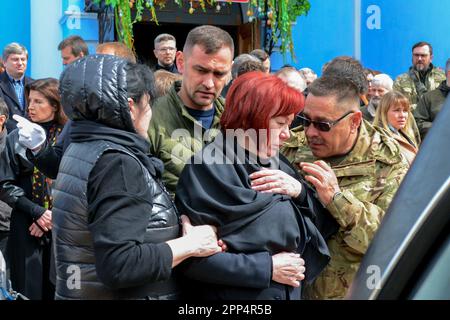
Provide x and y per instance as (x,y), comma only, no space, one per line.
(361,219)
(405,86)
(422,115)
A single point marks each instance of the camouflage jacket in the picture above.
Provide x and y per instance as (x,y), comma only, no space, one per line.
(175,135)
(368,177)
(405,83)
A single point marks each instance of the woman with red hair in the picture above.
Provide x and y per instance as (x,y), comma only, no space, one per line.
(262,208)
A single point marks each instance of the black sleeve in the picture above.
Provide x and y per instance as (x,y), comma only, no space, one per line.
(10,171)
(119,202)
(233,269)
(47,160)
(319,215)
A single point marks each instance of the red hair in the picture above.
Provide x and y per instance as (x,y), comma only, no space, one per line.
(256,97)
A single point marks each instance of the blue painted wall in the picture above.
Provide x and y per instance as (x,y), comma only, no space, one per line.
(83,24)
(328,31)
(404,23)
(15,24)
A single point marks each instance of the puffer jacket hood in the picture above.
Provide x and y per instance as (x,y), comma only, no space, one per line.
(95,88)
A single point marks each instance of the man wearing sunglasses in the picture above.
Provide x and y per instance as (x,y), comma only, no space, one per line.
(355,168)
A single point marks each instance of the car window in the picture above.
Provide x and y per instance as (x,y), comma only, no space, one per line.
(435,281)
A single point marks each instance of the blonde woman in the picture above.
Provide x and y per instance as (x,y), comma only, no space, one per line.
(394,115)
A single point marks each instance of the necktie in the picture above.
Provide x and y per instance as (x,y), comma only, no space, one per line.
(19,92)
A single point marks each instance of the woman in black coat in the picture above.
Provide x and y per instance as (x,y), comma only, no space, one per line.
(262,209)
(28,191)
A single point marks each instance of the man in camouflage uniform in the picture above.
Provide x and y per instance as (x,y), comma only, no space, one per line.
(355,168)
(188,117)
(422,76)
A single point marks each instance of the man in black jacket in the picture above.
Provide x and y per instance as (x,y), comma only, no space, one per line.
(13,81)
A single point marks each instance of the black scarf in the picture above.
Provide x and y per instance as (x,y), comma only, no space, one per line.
(248,221)
(41,185)
(85,131)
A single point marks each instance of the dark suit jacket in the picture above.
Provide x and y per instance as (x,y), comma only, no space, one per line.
(8,93)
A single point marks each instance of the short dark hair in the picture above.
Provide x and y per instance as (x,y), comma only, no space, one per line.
(421,44)
(210,38)
(350,69)
(77,44)
(140,80)
(4,111)
(49,88)
(342,89)
(447,65)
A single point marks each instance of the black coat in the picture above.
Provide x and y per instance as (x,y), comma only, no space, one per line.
(8,93)
(29,256)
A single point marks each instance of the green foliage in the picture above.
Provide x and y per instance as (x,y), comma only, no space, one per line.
(278,14)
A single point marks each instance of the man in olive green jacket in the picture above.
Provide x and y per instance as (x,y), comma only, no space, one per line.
(188,117)
(355,168)
(422,77)
(431,103)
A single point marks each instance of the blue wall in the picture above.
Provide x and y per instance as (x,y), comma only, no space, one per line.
(85,25)
(326,32)
(15,24)
(386,41)
(404,23)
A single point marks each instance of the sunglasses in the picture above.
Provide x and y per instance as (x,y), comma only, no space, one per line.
(324,126)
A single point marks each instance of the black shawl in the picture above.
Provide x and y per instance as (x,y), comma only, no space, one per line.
(215,188)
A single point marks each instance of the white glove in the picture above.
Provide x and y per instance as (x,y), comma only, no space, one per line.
(31,135)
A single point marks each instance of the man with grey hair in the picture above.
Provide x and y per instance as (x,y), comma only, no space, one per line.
(239,60)
(381,84)
(308,74)
(189,115)
(72,48)
(263,57)
(13,81)
(292,77)
(243,63)
(431,103)
(165,52)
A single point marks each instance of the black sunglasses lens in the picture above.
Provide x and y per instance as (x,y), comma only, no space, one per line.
(304,122)
(322,126)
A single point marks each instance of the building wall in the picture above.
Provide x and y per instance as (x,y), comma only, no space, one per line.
(378,32)
(402,24)
(15,23)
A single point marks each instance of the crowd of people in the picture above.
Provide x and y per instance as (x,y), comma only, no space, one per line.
(208,177)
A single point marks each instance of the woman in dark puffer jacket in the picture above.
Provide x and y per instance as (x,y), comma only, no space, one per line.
(116,231)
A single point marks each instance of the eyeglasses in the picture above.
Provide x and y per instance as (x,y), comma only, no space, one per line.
(167,49)
(324,126)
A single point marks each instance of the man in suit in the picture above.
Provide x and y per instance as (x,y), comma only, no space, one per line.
(13,81)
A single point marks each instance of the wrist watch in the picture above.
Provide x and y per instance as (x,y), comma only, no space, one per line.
(337,194)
